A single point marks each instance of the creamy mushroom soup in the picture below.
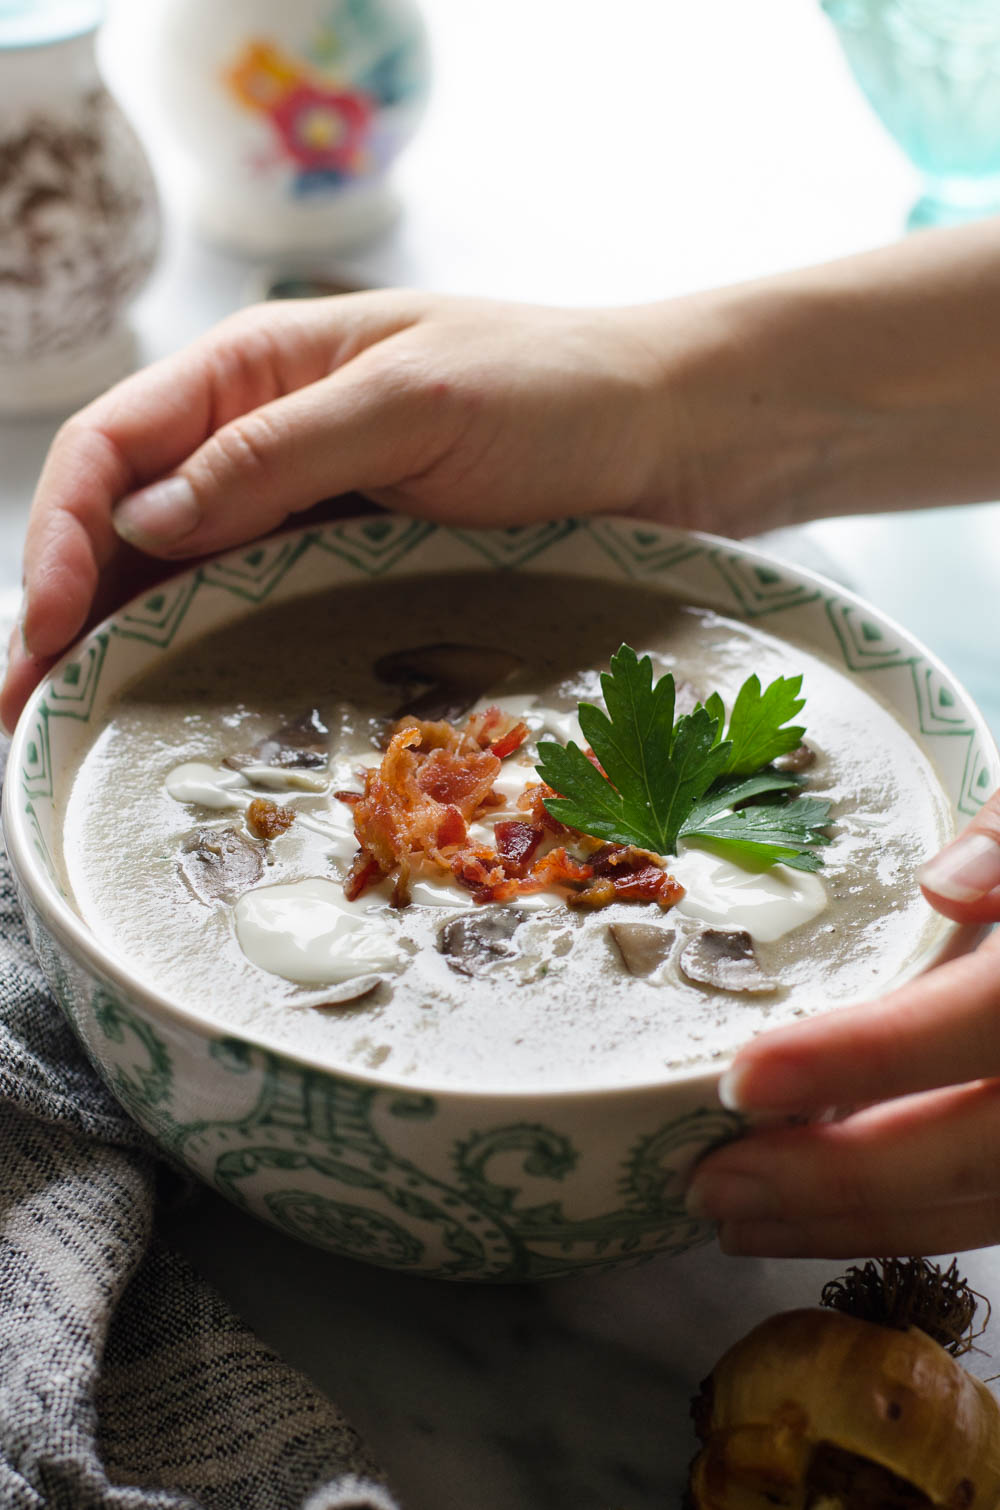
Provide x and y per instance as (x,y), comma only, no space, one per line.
(207,846)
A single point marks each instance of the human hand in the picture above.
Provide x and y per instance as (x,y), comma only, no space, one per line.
(458,410)
(917,1169)
(863,383)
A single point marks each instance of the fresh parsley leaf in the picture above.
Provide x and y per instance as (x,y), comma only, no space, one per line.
(756,730)
(727,793)
(665,779)
(768,833)
(657,770)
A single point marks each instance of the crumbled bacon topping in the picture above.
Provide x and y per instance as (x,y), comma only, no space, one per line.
(516,842)
(623,873)
(532,800)
(497,730)
(266,820)
(435,779)
(432,782)
(509,742)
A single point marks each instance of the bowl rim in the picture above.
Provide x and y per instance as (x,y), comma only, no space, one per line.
(73,934)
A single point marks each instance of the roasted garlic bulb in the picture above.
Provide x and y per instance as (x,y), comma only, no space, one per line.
(817,1410)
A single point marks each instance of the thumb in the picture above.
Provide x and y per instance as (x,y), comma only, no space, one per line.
(353,430)
(963,881)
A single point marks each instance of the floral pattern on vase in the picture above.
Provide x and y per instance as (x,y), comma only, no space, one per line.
(324,132)
(294,115)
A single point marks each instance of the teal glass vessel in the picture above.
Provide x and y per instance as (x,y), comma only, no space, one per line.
(931,71)
(35,23)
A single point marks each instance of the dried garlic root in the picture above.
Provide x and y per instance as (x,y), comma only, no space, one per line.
(821,1410)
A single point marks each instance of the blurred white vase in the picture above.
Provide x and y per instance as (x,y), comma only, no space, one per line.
(79,221)
(293,114)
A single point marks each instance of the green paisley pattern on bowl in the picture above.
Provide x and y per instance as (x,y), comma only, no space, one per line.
(508,1187)
(329,1159)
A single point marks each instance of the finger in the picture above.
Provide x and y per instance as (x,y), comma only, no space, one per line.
(939,1029)
(69,537)
(149,424)
(938,1149)
(367,427)
(141,428)
(24,671)
(129,572)
(899,1234)
(963,881)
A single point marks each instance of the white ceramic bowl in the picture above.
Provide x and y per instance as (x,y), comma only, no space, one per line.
(488,1185)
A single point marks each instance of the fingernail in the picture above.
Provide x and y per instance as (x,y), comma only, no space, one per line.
(730,1085)
(774,1087)
(5,727)
(966,871)
(730,1197)
(157,515)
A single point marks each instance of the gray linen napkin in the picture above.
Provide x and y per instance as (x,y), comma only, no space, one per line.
(125,1383)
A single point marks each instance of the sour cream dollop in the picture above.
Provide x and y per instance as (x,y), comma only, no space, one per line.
(767,903)
(207,785)
(309,932)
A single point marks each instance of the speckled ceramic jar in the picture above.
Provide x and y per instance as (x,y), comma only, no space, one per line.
(78,211)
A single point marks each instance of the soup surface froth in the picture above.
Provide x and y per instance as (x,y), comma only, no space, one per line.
(546,999)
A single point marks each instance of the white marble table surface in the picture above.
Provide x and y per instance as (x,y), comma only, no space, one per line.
(574,152)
